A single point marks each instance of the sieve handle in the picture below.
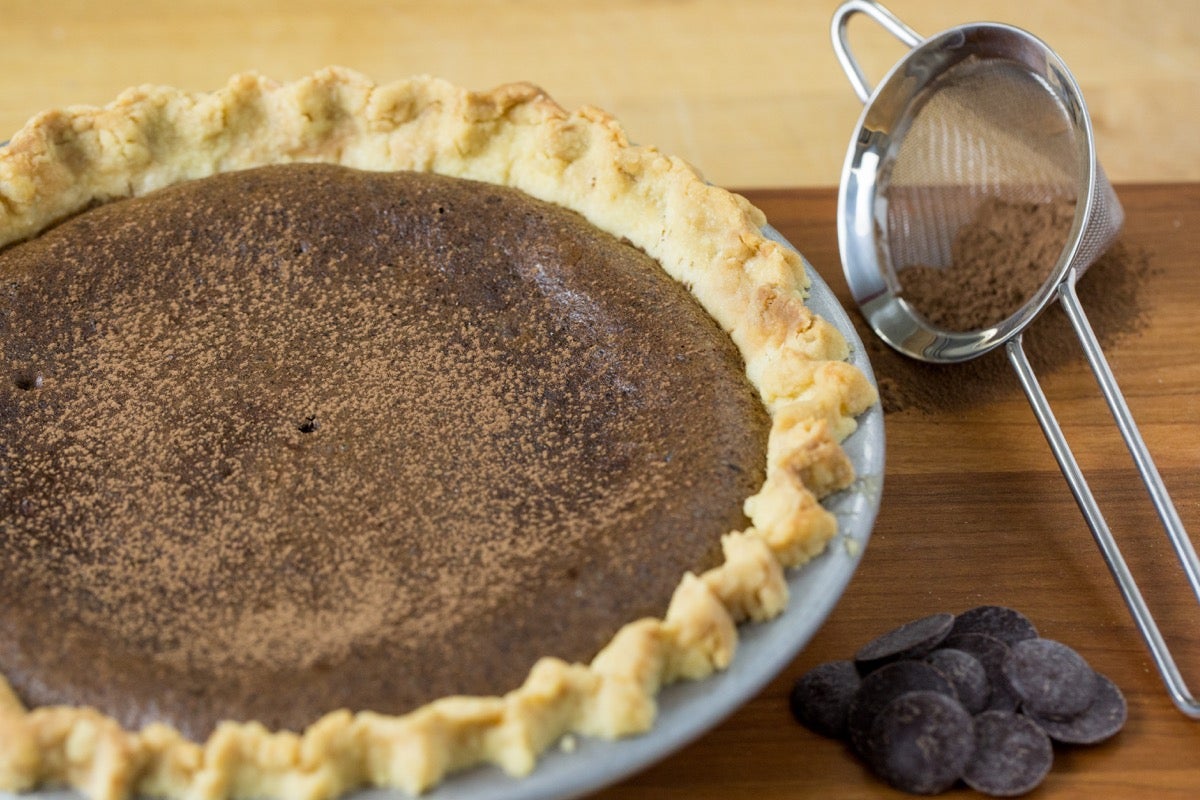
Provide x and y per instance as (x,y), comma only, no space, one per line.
(1159,650)
(889,21)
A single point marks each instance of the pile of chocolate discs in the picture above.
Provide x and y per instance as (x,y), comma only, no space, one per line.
(976,697)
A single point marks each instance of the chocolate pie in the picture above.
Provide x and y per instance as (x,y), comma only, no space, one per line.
(351,434)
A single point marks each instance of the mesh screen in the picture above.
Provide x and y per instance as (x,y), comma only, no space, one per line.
(987,130)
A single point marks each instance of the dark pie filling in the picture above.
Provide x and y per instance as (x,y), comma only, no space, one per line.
(303,438)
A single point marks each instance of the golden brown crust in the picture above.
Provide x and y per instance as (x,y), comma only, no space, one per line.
(707,238)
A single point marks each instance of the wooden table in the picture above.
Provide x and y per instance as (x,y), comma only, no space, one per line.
(975,511)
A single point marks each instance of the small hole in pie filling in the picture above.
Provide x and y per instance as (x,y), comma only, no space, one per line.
(28,381)
(527,435)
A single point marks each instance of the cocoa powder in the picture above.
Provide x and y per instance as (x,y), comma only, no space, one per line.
(1000,260)
(301,438)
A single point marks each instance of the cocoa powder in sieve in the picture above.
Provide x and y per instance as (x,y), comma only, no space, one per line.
(998,262)
(1008,245)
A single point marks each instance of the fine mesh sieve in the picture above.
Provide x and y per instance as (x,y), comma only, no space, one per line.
(977,118)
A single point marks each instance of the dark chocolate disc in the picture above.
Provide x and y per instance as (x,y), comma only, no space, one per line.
(991,653)
(922,741)
(1050,678)
(1012,755)
(966,674)
(884,685)
(1102,719)
(820,699)
(1003,623)
(911,640)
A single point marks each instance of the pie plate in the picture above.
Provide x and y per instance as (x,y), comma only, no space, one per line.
(687,710)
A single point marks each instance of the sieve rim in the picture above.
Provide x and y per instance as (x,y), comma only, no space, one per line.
(885,119)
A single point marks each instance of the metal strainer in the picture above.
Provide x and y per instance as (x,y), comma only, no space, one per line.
(986,113)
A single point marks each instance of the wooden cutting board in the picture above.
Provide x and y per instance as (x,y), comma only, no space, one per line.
(976,512)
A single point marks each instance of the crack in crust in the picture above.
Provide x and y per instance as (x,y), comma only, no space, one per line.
(64,161)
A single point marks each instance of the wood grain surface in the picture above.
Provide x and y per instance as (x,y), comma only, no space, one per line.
(750,92)
(975,511)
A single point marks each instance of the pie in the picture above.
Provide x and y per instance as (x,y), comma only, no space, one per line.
(352,434)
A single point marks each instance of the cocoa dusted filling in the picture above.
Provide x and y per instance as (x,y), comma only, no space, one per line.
(303,438)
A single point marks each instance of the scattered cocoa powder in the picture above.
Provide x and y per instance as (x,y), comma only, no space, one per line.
(303,438)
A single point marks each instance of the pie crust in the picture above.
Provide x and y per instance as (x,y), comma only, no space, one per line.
(64,161)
